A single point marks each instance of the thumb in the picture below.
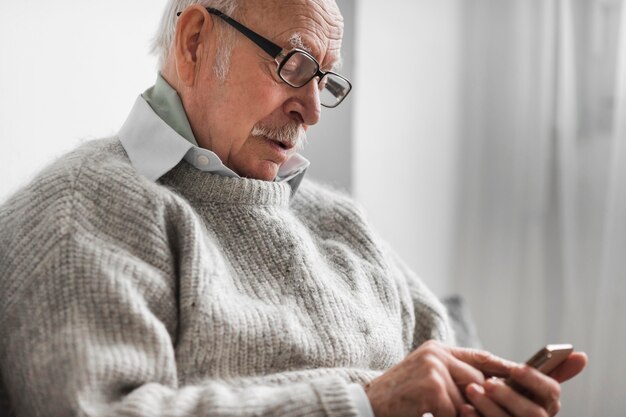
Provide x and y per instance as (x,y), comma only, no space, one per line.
(573,365)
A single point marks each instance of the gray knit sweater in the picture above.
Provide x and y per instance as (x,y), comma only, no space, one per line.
(199,295)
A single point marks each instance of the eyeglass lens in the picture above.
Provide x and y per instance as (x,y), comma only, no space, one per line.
(300,68)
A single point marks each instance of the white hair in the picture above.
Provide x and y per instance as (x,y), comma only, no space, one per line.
(162,42)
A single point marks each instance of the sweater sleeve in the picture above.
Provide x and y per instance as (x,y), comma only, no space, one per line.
(431,319)
(92,332)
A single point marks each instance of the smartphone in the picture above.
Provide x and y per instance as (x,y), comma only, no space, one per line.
(546,360)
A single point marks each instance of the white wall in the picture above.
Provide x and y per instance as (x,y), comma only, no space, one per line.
(70,71)
(406,127)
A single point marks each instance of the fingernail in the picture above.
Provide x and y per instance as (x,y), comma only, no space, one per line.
(475,389)
(491,384)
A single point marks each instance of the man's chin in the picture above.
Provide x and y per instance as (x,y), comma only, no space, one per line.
(264,170)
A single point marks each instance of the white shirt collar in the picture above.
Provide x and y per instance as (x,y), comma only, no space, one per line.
(154,148)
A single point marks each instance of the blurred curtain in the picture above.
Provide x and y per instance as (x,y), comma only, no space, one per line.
(542,206)
(609,335)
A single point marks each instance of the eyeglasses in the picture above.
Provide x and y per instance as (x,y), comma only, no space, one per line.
(296,67)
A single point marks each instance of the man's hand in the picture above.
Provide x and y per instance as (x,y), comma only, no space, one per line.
(495,398)
(431,380)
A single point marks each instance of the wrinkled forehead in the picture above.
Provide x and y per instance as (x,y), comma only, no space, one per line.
(314,25)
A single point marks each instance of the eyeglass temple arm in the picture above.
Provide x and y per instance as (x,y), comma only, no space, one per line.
(271,48)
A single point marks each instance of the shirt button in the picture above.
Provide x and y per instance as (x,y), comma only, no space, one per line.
(202,160)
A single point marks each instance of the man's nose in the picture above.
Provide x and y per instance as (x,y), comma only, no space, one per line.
(304,103)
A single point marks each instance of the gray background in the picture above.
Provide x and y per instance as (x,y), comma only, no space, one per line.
(329,146)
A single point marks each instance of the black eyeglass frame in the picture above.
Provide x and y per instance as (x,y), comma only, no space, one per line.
(276,52)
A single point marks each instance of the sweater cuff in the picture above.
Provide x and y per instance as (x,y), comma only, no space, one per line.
(336,399)
(359,397)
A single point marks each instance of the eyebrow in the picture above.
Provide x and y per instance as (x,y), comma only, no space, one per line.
(296,42)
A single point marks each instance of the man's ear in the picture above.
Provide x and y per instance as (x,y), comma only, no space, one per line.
(193,33)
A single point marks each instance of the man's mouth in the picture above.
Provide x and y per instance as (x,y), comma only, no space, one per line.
(283,145)
(280,147)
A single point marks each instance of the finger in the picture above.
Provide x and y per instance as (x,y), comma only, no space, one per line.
(452,389)
(575,363)
(488,363)
(469,411)
(482,403)
(541,388)
(516,403)
(462,373)
(445,408)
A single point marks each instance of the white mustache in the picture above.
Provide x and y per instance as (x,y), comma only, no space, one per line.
(291,135)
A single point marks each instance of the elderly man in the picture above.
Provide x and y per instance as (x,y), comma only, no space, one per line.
(183,268)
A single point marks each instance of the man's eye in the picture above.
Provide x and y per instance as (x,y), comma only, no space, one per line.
(290,67)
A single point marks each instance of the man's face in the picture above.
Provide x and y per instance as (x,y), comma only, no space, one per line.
(224,114)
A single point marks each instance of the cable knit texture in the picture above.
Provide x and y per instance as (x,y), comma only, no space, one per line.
(198,295)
